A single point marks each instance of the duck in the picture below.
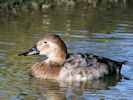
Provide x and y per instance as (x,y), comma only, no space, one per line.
(61,65)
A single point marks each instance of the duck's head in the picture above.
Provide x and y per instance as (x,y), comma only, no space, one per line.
(51,46)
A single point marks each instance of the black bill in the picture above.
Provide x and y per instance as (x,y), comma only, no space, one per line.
(32,51)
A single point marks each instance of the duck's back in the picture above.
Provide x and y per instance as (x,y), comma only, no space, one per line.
(88,66)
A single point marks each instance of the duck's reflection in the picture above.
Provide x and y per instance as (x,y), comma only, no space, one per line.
(53,90)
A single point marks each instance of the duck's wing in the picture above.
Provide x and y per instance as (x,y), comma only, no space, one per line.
(89,66)
(86,60)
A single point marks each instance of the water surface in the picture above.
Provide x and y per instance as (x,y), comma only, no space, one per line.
(107,33)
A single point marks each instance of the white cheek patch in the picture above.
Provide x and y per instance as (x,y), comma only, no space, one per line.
(47,49)
(52,50)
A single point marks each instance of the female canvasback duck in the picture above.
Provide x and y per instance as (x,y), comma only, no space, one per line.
(60,65)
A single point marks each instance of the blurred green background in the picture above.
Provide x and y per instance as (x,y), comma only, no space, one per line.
(15,6)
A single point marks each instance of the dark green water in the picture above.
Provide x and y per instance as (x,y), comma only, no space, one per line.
(107,33)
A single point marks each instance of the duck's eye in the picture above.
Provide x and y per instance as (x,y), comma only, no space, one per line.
(45,42)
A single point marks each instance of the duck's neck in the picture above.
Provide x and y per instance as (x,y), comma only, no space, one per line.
(58,58)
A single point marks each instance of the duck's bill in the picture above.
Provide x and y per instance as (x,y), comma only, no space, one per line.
(31,51)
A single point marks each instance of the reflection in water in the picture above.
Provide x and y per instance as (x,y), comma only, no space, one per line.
(104,32)
(52,90)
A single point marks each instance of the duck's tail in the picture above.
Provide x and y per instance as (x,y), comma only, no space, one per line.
(119,66)
(123,62)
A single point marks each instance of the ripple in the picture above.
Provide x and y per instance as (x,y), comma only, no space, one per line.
(6,43)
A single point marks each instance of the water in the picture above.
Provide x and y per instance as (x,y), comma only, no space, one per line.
(107,33)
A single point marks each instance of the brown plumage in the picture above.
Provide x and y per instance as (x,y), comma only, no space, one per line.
(50,71)
(60,65)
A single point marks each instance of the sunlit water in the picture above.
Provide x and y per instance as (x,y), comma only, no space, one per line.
(107,33)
